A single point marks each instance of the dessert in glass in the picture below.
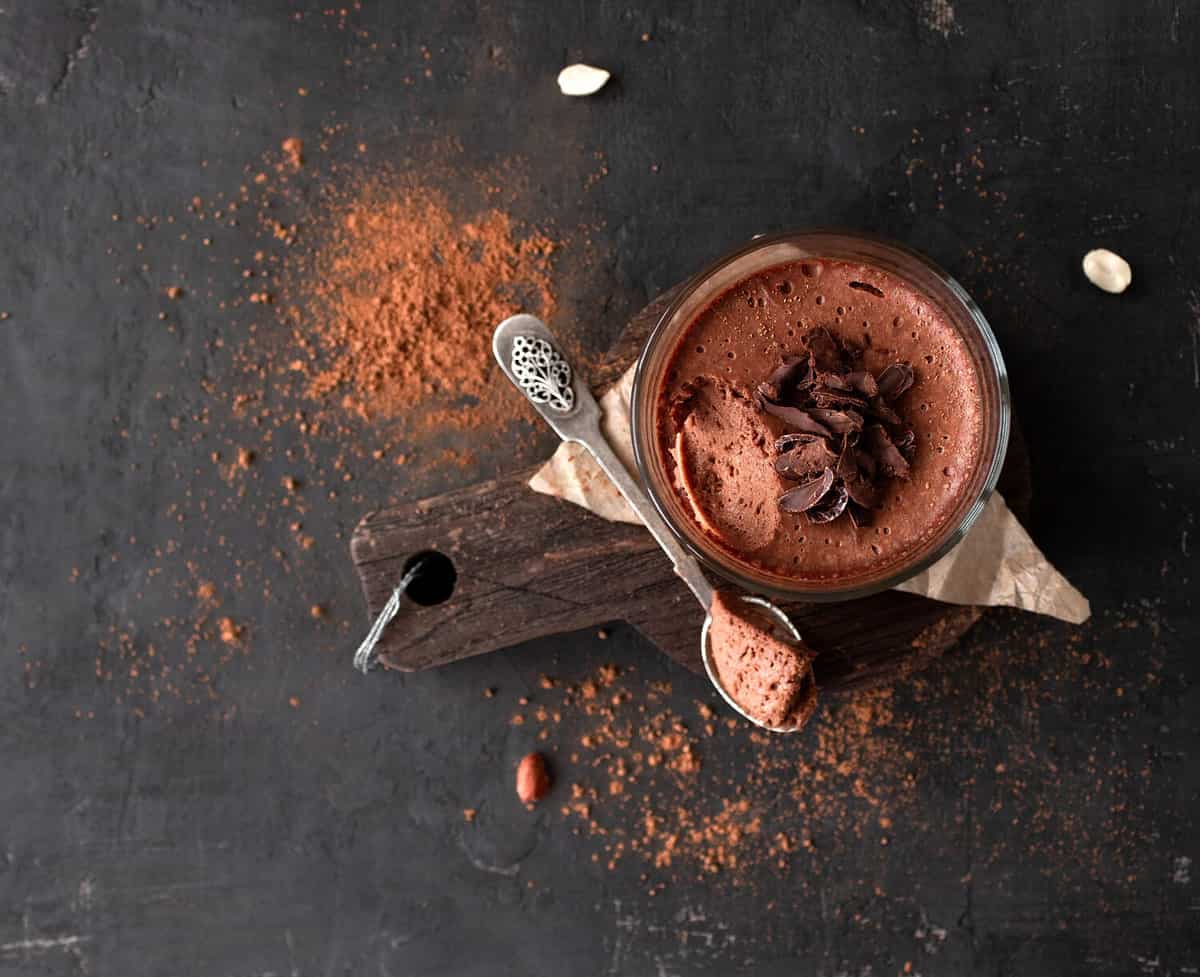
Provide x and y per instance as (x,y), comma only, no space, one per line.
(820,415)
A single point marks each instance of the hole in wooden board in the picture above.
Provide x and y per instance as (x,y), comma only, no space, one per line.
(435,578)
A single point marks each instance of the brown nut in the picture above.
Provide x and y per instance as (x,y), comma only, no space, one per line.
(533,782)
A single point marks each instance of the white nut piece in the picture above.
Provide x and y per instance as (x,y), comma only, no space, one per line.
(581,79)
(1107,270)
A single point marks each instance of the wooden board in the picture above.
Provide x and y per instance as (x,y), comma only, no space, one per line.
(529,565)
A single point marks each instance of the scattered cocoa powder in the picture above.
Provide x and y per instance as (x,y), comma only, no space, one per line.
(293,152)
(395,300)
(643,789)
(270,390)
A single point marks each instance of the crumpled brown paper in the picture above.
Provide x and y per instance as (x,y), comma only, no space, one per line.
(997,564)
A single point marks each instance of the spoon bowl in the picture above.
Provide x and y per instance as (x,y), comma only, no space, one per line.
(789,629)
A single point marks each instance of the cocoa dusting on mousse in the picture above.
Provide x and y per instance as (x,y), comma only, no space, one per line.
(844,441)
(770,678)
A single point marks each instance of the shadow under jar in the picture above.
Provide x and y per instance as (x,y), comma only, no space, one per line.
(707,450)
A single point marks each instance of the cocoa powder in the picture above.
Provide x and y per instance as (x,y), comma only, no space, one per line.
(634,750)
(394,300)
(302,394)
(690,793)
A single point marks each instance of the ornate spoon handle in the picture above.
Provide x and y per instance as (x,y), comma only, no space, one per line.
(530,357)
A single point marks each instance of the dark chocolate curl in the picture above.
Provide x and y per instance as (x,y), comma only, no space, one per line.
(804,497)
(788,441)
(801,420)
(907,444)
(837,399)
(877,441)
(862,382)
(877,408)
(831,506)
(806,459)
(838,421)
(894,380)
(846,440)
(787,373)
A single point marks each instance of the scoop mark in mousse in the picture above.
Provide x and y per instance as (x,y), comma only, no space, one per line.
(722,453)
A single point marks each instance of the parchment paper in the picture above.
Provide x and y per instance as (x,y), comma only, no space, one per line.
(997,564)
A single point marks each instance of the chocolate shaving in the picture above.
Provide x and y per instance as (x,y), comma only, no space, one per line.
(879,443)
(783,380)
(907,444)
(801,420)
(838,421)
(867,287)
(806,459)
(847,464)
(837,399)
(788,441)
(845,438)
(862,382)
(895,380)
(805,496)
(878,409)
(831,506)
(831,381)
(788,373)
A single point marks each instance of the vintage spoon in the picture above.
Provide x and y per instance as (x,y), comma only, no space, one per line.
(530,357)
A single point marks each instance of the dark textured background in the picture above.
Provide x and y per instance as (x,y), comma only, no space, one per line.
(228,834)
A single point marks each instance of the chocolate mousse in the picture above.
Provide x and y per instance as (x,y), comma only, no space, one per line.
(722,452)
(821,420)
(769,676)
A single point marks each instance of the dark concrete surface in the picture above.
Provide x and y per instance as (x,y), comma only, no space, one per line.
(221,830)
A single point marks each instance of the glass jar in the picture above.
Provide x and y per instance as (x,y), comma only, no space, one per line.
(766,252)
